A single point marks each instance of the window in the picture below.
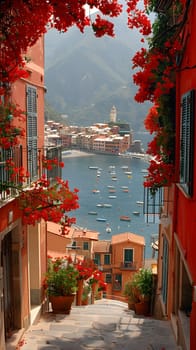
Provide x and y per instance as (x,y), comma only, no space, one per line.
(74,245)
(108,278)
(186,142)
(85,246)
(97,259)
(106,259)
(128,256)
(117,285)
(31,101)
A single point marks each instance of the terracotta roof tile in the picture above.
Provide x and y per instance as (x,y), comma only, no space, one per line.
(102,246)
(73,232)
(128,236)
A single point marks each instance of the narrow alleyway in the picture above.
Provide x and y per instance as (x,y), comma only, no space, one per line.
(107,324)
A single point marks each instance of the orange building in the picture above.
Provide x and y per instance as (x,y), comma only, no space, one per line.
(119,259)
(176,292)
(77,242)
(23,248)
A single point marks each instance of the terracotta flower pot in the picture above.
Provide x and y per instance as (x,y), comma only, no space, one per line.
(142,308)
(61,304)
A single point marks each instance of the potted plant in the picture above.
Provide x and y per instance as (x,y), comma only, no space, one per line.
(143,287)
(129,293)
(61,283)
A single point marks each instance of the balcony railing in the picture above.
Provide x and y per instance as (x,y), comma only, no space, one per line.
(8,184)
(29,159)
(128,265)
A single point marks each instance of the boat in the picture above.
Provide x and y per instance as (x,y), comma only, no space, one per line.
(125,218)
(112,197)
(108,229)
(92,213)
(140,202)
(112,190)
(125,167)
(93,167)
(99,205)
(107,205)
(136,213)
(110,186)
(95,191)
(124,187)
(101,219)
(125,190)
(128,172)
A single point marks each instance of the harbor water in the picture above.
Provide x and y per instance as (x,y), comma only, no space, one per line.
(110,195)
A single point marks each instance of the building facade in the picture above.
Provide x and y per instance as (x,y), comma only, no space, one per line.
(176,292)
(22,247)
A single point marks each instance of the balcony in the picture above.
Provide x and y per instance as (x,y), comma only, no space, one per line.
(30,159)
(129,266)
(7,183)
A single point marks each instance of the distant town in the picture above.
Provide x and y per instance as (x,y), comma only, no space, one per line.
(114,137)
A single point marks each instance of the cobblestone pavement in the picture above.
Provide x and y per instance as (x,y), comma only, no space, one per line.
(105,325)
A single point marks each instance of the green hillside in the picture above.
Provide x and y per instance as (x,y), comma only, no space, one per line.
(86,76)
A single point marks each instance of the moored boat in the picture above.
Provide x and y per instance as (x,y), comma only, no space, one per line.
(136,213)
(101,219)
(92,213)
(107,205)
(125,218)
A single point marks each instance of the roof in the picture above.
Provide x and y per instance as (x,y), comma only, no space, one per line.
(102,247)
(128,236)
(73,232)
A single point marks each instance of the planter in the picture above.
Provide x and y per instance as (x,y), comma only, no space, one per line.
(131,305)
(142,308)
(61,304)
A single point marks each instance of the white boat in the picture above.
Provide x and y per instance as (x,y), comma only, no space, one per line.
(99,205)
(101,219)
(128,172)
(108,229)
(95,191)
(112,197)
(136,213)
(110,186)
(140,202)
(107,205)
(124,187)
(92,213)
(93,167)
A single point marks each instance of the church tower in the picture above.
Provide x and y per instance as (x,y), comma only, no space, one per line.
(113,115)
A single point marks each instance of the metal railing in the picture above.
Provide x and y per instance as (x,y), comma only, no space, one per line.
(10,179)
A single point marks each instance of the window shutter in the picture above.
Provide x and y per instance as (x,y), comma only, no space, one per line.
(32,130)
(187,142)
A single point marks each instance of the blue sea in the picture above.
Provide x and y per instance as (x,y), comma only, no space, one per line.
(127,191)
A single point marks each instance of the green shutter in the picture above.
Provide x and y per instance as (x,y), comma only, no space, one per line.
(32,130)
(187,142)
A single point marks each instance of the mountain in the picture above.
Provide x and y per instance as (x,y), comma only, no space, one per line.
(85,76)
